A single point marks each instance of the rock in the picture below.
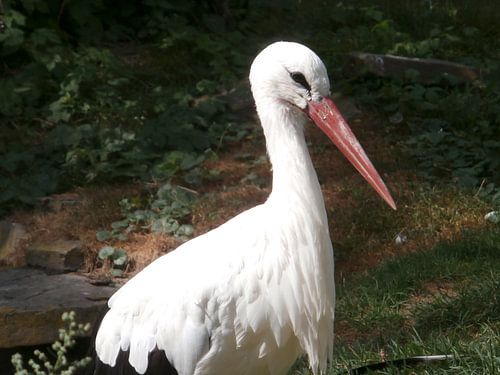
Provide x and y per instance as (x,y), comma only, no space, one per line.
(397,66)
(12,236)
(57,256)
(32,302)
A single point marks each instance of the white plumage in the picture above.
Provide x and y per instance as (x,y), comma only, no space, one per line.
(253,294)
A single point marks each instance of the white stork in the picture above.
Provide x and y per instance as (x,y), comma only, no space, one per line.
(250,296)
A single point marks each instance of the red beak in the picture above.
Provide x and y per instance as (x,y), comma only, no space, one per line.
(328,118)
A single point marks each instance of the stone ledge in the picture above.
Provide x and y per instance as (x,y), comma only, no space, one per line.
(32,302)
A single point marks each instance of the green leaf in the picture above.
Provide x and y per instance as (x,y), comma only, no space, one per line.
(121,236)
(116,272)
(103,235)
(118,81)
(118,253)
(120,261)
(185,230)
(13,17)
(120,224)
(106,252)
(165,225)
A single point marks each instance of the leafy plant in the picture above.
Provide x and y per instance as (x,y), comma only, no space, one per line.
(166,212)
(451,128)
(116,257)
(73,110)
(170,206)
(56,362)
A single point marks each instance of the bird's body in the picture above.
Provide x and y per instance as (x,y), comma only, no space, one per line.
(253,294)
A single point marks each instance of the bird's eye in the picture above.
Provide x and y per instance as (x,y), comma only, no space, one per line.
(300,79)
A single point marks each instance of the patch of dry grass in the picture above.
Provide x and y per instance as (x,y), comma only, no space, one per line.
(91,209)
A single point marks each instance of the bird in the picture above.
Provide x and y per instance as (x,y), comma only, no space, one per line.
(252,295)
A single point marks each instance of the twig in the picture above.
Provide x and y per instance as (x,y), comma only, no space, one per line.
(480,187)
(188,190)
(402,362)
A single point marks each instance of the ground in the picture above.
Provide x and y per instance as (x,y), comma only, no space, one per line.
(362,226)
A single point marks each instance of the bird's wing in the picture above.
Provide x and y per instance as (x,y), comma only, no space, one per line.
(240,293)
(280,303)
(173,304)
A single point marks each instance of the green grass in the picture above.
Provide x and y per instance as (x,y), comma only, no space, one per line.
(442,301)
(470,354)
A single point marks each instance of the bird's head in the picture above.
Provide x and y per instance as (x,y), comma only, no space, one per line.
(290,76)
(289,73)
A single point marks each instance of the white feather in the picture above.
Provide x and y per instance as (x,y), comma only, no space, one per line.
(253,294)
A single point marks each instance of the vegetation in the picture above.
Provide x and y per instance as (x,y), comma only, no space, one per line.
(56,362)
(451,128)
(92,94)
(443,301)
(95,94)
(164,214)
(75,111)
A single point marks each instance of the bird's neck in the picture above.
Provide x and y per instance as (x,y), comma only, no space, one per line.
(294,178)
(299,247)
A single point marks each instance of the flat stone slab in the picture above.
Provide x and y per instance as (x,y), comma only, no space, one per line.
(32,302)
